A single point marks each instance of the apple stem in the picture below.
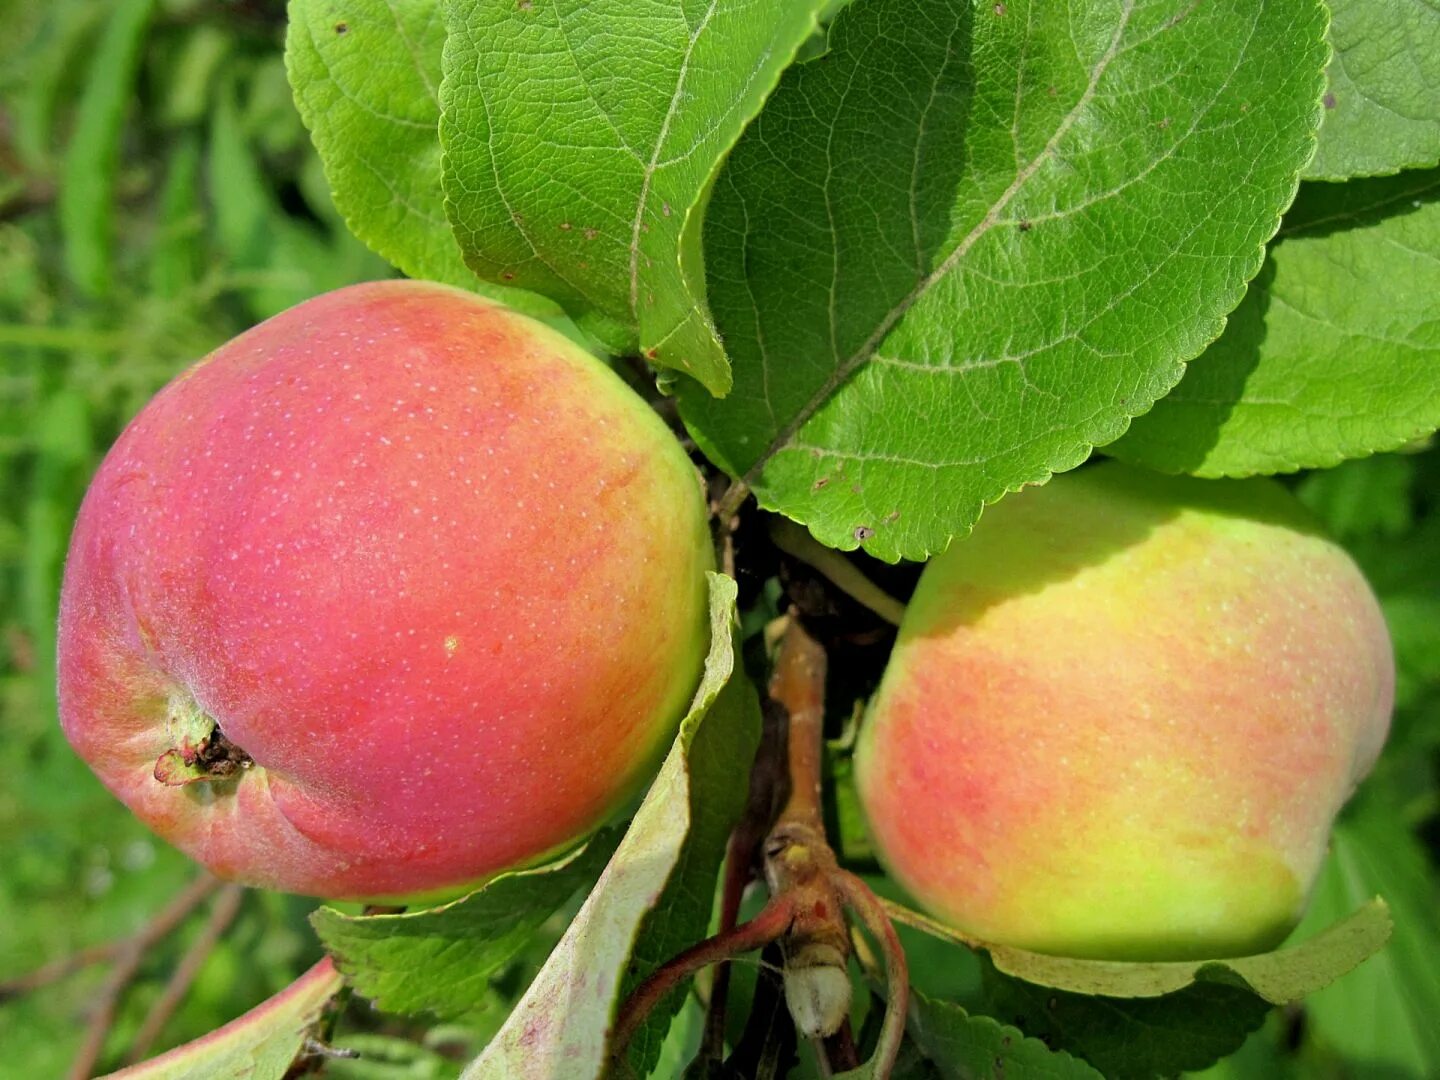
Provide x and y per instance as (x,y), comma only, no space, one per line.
(899,913)
(729,503)
(796,541)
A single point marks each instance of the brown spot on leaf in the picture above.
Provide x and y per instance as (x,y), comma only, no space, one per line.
(820,483)
(1329,100)
(863,533)
(342,28)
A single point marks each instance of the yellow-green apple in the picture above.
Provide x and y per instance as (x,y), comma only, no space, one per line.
(392,592)
(1122,715)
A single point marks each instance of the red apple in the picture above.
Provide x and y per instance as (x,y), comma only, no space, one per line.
(1122,715)
(397,590)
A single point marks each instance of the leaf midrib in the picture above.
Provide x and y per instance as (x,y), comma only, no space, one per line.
(861,355)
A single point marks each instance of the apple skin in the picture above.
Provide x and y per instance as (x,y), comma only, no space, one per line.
(1121,717)
(439,572)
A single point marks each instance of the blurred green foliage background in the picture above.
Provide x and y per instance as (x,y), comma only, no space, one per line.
(157,196)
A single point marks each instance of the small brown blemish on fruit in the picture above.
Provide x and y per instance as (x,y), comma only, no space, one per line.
(452,645)
(863,533)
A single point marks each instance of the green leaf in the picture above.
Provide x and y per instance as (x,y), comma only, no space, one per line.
(261,1045)
(366,78)
(962,1046)
(1137,1037)
(1382,105)
(655,896)
(1335,351)
(442,959)
(1278,977)
(1382,1018)
(969,242)
(87,182)
(586,178)
(1370,497)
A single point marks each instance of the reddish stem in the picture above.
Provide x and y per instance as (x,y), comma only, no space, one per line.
(768,786)
(774,919)
(871,913)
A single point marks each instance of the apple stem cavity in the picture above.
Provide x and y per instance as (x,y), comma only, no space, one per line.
(201,752)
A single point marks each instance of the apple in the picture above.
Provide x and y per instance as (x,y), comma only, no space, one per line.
(393,592)
(1121,717)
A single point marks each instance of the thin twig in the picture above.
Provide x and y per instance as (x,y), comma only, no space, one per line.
(222,914)
(730,502)
(769,787)
(873,916)
(59,969)
(796,541)
(798,683)
(128,961)
(774,919)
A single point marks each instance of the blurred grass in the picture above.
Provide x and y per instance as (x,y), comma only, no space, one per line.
(157,196)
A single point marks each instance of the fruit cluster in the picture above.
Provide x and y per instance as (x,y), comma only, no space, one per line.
(401,589)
